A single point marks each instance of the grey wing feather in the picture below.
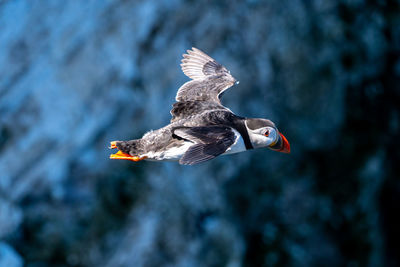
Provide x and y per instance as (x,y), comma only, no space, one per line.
(201,152)
(197,65)
(186,109)
(210,142)
(210,78)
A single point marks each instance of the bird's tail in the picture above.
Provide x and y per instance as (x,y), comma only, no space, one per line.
(128,150)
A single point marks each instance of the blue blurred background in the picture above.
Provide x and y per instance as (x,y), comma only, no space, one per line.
(75,75)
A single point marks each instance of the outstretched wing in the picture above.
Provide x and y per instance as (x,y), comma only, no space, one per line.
(209,78)
(209,142)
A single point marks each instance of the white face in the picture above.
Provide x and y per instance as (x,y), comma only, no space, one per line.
(263,137)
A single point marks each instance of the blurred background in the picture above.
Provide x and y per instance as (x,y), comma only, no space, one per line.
(75,75)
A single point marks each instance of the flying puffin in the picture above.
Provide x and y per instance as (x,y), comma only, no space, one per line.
(201,128)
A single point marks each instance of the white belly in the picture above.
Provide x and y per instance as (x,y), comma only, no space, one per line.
(172,154)
(238,146)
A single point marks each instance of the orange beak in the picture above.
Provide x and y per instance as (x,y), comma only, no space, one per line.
(122,155)
(282,145)
(285,145)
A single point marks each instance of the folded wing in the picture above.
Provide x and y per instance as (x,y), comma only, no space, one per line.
(209,142)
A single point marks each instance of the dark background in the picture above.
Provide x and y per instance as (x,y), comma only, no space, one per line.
(75,75)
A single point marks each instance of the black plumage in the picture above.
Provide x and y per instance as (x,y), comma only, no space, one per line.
(209,142)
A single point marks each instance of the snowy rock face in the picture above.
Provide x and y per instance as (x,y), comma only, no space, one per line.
(77,75)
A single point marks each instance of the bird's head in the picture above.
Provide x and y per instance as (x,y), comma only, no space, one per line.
(263,133)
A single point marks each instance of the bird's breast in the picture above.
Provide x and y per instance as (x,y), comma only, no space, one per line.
(237,146)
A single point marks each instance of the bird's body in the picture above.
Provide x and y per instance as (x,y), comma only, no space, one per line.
(201,128)
(161,145)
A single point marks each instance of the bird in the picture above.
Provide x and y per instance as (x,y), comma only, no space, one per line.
(201,128)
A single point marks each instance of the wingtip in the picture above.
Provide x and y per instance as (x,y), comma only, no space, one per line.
(195,51)
(189,53)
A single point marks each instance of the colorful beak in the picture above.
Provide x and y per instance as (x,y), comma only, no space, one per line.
(282,145)
(285,144)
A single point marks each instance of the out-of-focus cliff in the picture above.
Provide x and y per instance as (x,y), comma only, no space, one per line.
(75,75)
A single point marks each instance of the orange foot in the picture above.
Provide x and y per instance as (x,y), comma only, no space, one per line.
(122,155)
(113,144)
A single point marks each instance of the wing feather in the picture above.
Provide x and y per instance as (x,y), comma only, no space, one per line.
(207,89)
(199,153)
(187,109)
(198,65)
(209,142)
(209,80)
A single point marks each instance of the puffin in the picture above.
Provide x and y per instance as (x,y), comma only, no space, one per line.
(201,128)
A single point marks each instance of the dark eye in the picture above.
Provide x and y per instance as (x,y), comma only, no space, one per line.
(266,133)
